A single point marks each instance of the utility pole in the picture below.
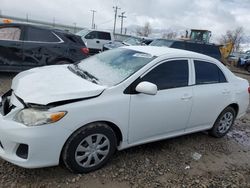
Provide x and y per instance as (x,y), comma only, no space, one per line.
(93,18)
(116,9)
(122,17)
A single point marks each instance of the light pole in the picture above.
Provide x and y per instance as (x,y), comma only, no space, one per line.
(93,18)
(116,9)
(122,17)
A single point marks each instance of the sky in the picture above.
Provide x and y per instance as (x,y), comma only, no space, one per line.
(215,15)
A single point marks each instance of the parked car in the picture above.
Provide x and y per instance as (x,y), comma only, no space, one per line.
(211,50)
(244,62)
(95,39)
(131,41)
(115,100)
(24,46)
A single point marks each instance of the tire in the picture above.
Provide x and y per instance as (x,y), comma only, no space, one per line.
(89,148)
(223,123)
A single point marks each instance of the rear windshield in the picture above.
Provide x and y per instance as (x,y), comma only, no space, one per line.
(161,42)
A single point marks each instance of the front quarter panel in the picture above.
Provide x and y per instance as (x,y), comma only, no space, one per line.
(110,108)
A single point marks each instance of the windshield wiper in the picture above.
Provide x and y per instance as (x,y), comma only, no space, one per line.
(82,73)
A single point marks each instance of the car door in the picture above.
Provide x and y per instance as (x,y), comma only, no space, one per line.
(11,52)
(211,95)
(92,42)
(41,46)
(167,112)
(103,38)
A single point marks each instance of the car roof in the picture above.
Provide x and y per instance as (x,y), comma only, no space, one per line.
(162,51)
(34,25)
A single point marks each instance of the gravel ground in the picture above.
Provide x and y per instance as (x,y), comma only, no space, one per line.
(221,162)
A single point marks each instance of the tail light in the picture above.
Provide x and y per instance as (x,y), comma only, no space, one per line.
(249,89)
(85,51)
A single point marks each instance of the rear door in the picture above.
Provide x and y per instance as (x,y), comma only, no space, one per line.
(11,52)
(211,95)
(103,38)
(40,47)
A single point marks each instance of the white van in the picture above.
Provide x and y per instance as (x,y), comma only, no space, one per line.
(95,39)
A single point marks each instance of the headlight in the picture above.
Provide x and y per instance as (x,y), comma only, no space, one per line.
(35,117)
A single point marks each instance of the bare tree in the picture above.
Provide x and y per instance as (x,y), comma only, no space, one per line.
(169,35)
(144,31)
(234,36)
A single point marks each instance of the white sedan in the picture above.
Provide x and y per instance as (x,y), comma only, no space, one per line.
(82,113)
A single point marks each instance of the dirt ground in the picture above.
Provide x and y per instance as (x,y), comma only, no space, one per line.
(195,160)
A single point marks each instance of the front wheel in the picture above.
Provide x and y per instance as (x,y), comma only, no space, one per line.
(223,123)
(89,148)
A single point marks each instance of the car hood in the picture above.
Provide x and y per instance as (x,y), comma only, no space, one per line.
(50,84)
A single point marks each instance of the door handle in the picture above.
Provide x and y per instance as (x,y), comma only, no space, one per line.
(186,97)
(225,91)
(98,41)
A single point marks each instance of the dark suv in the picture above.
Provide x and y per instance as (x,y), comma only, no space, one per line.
(211,50)
(24,46)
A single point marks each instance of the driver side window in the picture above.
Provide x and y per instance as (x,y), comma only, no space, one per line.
(171,74)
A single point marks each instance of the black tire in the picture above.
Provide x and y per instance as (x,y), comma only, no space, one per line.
(218,131)
(78,139)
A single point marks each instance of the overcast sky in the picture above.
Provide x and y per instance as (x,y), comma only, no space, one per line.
(215,15)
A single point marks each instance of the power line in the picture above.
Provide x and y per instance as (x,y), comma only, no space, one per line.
(93,18)
(122,17)
(116,9)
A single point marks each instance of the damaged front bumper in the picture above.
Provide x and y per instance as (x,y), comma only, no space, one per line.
(29,147)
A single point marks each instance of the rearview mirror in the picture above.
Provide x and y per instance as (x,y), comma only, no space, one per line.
(146,88)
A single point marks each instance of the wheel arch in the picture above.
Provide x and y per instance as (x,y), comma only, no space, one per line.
(112,125)
(235,106)
(54,61)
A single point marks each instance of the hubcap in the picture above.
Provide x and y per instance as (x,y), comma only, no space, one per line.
(225,122)
(92,150)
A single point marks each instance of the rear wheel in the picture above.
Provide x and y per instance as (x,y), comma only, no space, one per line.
(223,123)
(89,148)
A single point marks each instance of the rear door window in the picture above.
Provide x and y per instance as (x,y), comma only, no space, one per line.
(208,73)
(40,35)
(171,74)
(10,33)
(103,35)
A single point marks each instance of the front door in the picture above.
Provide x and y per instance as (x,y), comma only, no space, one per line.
(167,112)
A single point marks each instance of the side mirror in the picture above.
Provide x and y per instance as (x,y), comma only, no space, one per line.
(146,88)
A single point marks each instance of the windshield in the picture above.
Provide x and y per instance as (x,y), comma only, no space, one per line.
(82,32)
(161,42)
(113,66)
(132,41)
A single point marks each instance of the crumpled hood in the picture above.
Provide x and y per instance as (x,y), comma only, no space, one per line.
(49,84)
